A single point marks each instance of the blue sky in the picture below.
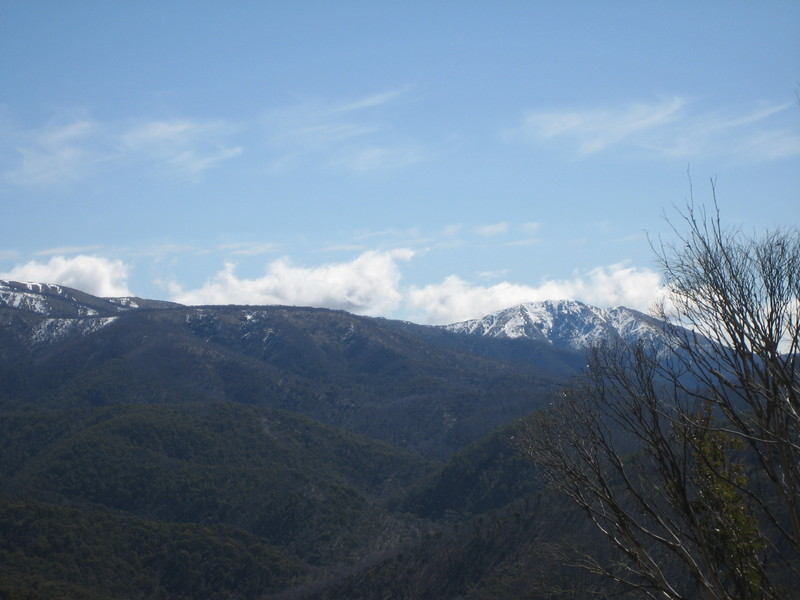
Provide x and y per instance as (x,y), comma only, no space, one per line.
(431,161)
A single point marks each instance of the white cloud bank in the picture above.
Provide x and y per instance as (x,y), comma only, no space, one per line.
(371,285)
(456,300)
(91,274)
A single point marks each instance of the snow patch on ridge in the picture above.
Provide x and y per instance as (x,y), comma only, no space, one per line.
(124,302)
(23,301)
(36,297)
(53,330)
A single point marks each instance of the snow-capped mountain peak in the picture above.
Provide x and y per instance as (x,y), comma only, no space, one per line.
(563,323)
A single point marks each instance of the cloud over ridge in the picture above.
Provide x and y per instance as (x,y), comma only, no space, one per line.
(371,284)
(88,273)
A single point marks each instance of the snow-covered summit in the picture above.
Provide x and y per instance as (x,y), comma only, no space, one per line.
(563,323)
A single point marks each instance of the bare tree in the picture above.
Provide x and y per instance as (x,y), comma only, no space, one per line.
(688,459)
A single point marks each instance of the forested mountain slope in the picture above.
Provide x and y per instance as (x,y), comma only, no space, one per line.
(156,450)
(413,386)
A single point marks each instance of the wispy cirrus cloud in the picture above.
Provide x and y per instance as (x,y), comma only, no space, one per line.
(373,100)
(59,152)
(9,255)
(492,229)
(596,129)
(379,158)
(453,230)
(529,229)
(69,150)
(525,242)
(356,135)
(188,146)
(675,127)
(359,135)
(67,250)
(248,248)
(531,226)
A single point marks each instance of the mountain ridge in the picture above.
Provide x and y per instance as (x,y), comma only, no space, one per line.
(418,387)
(564,323)
(53,300)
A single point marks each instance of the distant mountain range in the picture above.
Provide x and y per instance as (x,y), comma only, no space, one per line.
(151,449)
(566,324)
(429,389)
(424,388)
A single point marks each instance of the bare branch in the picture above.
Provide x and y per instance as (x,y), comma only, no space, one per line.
(688,460)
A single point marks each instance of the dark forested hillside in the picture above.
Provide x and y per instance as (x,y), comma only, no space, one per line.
(417,387)
(161,451)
